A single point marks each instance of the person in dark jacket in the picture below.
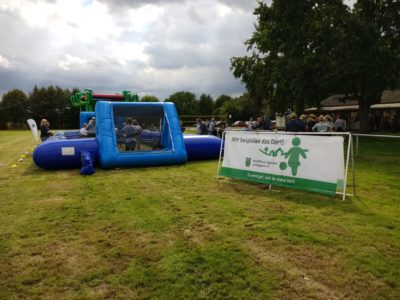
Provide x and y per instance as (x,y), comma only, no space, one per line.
(295,125)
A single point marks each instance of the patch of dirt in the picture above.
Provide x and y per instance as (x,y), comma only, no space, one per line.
(59,185)
(52,199)
(295,282)
(201,231)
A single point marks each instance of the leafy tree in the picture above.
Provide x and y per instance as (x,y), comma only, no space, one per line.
(232,109)
(205,105)
(52,103)
(149,98)
(240,108)
(248,106)
(291,56)
(185,102)
(14,107)
(370,60)
(3,118)
(219,102)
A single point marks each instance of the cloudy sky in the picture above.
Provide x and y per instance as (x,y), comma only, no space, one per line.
(155,47)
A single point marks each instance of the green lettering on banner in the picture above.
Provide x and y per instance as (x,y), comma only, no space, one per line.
(323,187)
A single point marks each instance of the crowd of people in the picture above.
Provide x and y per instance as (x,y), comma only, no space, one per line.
(210,127)
(88,129)
(312,123)
(128,135)
(261,123)
(377,121)
(384,121)
(131,130)
(306,123)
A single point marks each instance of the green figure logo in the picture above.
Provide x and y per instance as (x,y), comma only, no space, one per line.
(248,161)
(294,154)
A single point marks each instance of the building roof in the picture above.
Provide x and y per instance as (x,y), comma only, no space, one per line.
(389,100)
(388,96)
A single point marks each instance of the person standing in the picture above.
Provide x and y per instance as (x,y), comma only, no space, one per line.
(258,124)
(44,130)
(331,126)
(266,123)
(311,121)
(221,129)
(340,123)
(250,124)
(91,128)
(131,132)
(295,125)
(322,125)
(211,127)
(201,127)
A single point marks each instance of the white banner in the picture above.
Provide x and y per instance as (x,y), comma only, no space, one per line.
(34,129)
(307,162)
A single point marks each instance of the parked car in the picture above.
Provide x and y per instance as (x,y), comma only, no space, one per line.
(239,124)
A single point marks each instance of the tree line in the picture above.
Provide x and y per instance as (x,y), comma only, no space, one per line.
(53,103)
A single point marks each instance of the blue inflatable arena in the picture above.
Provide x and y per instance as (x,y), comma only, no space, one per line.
(127,134)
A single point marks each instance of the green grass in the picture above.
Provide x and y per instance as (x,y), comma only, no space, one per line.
(177,233)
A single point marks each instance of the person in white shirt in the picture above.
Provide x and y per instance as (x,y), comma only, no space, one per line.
(83,131)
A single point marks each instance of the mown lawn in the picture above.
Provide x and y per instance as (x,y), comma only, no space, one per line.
(178,233)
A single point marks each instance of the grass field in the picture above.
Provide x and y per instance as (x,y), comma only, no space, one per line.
(178,233)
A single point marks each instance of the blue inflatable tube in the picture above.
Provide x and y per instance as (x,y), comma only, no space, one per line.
(199,147)
(62,153)
(56,154)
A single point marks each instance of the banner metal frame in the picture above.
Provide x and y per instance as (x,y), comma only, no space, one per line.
(350,153)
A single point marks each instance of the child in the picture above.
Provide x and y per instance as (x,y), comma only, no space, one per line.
(83,131)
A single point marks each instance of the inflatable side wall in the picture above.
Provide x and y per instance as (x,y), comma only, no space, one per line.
(173,148)
(85,116)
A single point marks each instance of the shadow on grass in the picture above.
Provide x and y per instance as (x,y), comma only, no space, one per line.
(293,196)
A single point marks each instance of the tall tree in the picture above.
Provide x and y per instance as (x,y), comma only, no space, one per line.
(232,109)
(52,103)
(240,108)
(185,102)
(291,58)
(205,105)
(370,60)
(14,107)
(219,102)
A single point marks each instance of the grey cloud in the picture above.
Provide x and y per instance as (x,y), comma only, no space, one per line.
(188,49)
(165,57)
(192,44)
(123,4)
(246,5)
(119,5)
